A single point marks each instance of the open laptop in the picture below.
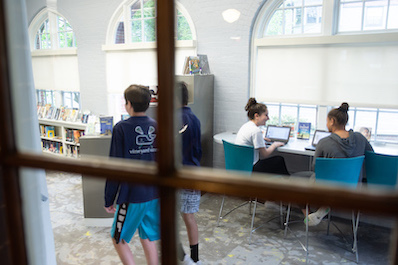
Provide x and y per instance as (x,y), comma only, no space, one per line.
(318,135)
(277,134)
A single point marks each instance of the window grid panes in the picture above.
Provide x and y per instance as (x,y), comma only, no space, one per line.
(43,39)
(368,15)
(57,99)
(65,33)
(142,24)
(63,37)
(290,114)
(295,17)
(183,29)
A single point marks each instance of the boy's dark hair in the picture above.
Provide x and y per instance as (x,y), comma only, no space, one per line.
(184,93)
(139,97)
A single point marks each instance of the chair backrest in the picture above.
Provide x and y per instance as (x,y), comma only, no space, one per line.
(381,169)
(238,157)
(341,171)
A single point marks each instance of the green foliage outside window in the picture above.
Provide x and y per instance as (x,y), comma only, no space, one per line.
(183,29)
(275,25)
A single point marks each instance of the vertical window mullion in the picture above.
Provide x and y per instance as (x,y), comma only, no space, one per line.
(388,13)
(363,14)
(142,21)
(377,122)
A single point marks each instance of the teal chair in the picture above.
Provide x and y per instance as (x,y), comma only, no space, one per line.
(238,158)
(381,170)
(344,172)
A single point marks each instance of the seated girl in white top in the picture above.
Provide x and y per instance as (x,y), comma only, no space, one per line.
(251,135)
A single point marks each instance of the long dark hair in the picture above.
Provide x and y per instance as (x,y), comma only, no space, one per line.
(252,107)
(340,114)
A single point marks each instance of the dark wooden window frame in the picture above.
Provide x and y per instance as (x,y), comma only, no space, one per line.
(164,173)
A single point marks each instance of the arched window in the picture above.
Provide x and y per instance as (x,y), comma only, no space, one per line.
(330,66)
(295,17)
(53,32)
(366,15)
(137,23)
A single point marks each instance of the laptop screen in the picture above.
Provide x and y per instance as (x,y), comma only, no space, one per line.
(318,135)
(278,133)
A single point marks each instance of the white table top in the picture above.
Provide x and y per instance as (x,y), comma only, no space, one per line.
(297,146)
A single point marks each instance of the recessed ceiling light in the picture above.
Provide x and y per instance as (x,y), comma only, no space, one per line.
(231,15)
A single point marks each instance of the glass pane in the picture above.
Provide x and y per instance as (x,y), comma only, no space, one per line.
(69,39)
(136,31)
(44,28)
(313,2)
(289,117)
(274,26)
(67,100)
(37,42)
(120,33)
(375,15)
(136,14)
(290,3)
(350,123)
(387,130)
(366,119)
(49,97)
(149,12)
(76,100)
(293,20)
(61,24)
(136,5)
(308,115)
(149,3)
(57,95)
(149,30)
(393,15)
(350,17)
(62,42)
(183,29)
(313,19)
(273,114)
(68,26)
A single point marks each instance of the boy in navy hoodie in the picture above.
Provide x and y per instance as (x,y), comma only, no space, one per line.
(137,206)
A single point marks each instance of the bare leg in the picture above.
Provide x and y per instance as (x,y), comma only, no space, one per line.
(151,252)
(124,252)
(192,228)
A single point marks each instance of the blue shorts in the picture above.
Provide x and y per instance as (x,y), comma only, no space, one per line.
(132,216)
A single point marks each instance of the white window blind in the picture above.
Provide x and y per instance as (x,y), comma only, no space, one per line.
(361,74)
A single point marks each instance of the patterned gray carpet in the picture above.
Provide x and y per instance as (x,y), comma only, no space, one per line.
(78,243)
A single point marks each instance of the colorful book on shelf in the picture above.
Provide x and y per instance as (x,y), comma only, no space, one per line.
(76,135)
(69,135)
(56,114)
(191,65)
(66,116)
(304,130)
(106,124)
(45,110)
(194,65)
(50,131)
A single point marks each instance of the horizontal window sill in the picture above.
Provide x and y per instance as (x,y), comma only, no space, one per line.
(55,52)
(325,40)
(146,45)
